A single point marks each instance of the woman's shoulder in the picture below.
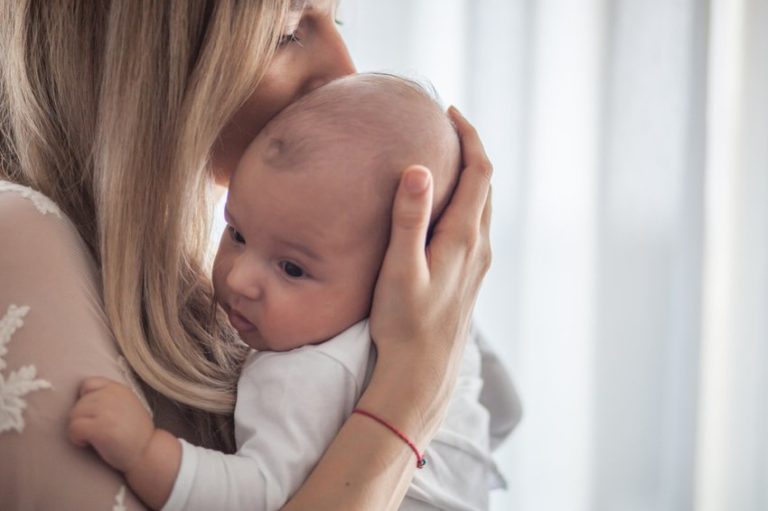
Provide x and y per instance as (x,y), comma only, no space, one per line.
(53,333)
(25,211)
(12,193)
(33,224)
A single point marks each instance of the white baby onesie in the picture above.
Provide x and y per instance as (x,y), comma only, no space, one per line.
(290,406)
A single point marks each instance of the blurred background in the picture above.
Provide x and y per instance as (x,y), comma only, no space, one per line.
(629,291)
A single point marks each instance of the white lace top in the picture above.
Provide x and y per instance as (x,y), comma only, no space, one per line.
(53,333)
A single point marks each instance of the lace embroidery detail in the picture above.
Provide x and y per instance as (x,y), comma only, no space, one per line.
(120,500)
(42,203)
(18,383)
(122,363)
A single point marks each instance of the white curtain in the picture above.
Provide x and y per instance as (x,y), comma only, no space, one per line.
(629,292)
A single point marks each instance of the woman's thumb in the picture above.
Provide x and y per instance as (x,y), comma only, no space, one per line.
(410,216)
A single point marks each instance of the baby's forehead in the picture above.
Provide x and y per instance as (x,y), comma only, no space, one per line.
(358,134)
(314,209)
(358,112)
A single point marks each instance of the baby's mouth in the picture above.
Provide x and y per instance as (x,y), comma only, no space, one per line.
(240,323)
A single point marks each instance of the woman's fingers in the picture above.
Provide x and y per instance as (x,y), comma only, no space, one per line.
(469,200)
(410,218)
(472,150)
(485,220)
(485,229)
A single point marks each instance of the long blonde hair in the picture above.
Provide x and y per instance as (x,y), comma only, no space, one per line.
(111,108)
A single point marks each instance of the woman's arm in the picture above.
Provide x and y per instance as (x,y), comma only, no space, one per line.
(420,318)
(53,335)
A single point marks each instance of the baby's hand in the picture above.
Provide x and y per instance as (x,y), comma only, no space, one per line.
(110,417)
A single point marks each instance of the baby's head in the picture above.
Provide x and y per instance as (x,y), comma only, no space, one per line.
(309,206)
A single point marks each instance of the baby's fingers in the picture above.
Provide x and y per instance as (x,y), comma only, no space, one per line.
(93,384)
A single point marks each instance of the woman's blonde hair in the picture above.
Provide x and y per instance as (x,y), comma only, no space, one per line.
(112,108)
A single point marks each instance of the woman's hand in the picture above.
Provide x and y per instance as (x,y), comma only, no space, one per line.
(424,299)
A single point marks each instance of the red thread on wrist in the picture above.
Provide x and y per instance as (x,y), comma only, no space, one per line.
(420,459)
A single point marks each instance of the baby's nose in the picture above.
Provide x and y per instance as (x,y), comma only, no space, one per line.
(245,279)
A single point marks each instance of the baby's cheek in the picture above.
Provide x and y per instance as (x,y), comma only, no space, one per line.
(353,303)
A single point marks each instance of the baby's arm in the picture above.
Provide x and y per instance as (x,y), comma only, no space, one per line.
(289,407)
(286,416)
(109,417)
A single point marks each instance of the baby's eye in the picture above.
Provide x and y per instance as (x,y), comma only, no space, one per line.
(287,39)
(236,236)
(292,270)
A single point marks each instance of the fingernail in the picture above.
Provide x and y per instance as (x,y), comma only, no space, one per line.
(417,181)
(455,111)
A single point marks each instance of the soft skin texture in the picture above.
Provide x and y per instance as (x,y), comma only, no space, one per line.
(308,209)
(109,417)
(305,238)
(422,302)
(311,54)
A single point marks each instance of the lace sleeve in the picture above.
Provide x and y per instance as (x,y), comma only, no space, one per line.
(53,333)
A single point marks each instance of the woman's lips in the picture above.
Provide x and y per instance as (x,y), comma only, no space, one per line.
(239,322)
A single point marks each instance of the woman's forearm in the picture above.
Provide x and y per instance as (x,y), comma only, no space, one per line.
(367,466)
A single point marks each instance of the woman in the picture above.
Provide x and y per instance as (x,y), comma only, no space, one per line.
(122,113)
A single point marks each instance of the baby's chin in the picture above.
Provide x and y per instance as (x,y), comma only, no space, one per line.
(254,340)
(258,342)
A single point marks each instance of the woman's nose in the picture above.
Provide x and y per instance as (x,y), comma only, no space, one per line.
(333,61)
(245,278)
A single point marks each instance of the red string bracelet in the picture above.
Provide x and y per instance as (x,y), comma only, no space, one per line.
(420,459)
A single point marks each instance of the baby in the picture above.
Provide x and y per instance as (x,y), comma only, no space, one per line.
(307,226)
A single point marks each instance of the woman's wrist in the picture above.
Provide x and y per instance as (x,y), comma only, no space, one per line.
(411,392)
(367,466)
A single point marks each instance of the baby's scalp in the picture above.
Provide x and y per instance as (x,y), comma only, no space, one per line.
(367,129)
